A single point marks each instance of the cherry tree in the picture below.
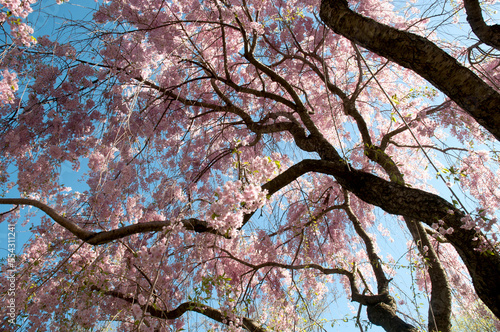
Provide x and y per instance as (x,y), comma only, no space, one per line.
(247,162)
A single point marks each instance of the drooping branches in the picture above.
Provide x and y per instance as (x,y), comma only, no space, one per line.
(392,197)
(215,314)
(420,55)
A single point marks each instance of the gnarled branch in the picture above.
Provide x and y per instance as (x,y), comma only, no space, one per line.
(420,55)
(217,315)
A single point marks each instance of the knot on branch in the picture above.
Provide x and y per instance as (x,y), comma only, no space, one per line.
(382,309)
(384,314)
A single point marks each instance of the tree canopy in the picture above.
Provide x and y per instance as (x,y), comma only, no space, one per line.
(246,163)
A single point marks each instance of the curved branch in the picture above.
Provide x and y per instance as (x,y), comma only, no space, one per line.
(419,205)
(375,261)
(488,34)
(420,55)
(257,93)
(217,315)
(192,224)
(63,221)
(355,295)
(299,106)
(384,314)
(392,197)
(98,238)
(440,303)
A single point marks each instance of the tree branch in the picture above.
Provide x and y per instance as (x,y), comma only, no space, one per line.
(440,304)
(355,294)
(384,314)
(419,205)
(488,34)
(420,55)
(392,197)
(375,261)
(98,238)
(217,315)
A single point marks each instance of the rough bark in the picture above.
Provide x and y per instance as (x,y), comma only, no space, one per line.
(488,34)
(422,56)
(416,204)
(384,314)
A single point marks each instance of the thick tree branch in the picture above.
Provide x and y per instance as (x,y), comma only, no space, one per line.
(63,221)
(488,34)
(419,205)
(393,198)
(423,57)
(192,224)
(384,314)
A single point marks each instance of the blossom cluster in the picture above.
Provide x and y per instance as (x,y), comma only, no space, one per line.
(236,198)
(14,12)
(8,85)
(17,10)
